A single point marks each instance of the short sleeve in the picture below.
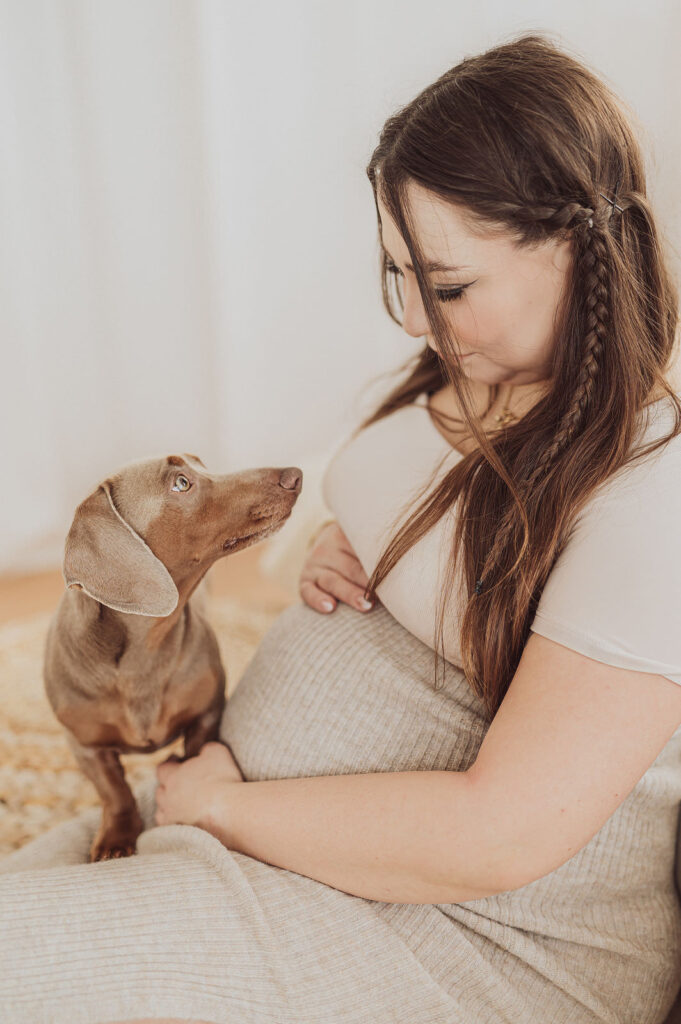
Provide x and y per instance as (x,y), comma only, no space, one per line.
(614,593)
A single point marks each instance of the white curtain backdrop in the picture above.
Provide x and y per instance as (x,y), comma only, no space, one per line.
(188,250)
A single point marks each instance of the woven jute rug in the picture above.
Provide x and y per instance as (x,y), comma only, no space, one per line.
(40,782)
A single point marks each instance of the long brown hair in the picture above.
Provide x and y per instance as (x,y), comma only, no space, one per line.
(523,139)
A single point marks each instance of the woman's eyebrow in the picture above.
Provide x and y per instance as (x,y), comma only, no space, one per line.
(431,265)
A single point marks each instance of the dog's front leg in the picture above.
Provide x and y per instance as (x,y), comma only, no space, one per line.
(204,729)
(121,820)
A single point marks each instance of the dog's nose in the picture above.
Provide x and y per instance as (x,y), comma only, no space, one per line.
(291,479)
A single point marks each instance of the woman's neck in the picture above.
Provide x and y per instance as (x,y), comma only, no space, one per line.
(519,398)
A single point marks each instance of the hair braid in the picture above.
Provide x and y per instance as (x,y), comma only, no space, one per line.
(591,265)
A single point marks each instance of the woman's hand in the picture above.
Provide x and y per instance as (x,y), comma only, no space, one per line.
(332,572)
(189,792)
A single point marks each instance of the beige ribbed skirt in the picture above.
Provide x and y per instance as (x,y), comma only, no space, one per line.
(190,929)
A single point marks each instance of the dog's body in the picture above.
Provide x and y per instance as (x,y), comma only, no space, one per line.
(131,661)
(115,686)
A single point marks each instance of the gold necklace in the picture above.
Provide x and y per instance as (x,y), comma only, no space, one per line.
(505,416)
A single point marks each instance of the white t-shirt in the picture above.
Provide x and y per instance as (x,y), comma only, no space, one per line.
(614,593)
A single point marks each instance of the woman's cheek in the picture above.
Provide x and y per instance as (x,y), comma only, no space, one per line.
(465,329)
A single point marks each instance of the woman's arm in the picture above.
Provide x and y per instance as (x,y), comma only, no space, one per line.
(387,836)
(568,744)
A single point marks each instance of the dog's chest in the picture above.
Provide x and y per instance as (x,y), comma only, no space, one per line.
(113,687)
(136,713)
(156,718)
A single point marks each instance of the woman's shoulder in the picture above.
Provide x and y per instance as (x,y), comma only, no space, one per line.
(651,475)
(615,588)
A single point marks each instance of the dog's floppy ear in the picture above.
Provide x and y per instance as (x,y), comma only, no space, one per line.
(107,559)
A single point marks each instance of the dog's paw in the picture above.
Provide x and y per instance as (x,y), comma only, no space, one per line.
(117,836)
(104,852)
(110,851)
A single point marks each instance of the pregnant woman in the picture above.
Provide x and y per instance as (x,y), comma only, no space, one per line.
(461,805)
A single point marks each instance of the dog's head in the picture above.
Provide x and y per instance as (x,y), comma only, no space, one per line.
(159,524)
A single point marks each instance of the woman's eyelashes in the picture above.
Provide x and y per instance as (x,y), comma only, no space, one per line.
(447,294)
(444,294)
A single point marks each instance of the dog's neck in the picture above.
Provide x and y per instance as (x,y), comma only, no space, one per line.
(156,631)
(151,631)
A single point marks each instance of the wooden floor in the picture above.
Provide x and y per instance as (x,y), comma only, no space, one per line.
(237,576)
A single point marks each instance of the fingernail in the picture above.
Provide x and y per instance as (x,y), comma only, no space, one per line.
(327,606)
(363,605)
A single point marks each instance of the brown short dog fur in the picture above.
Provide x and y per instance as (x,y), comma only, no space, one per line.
(131,662)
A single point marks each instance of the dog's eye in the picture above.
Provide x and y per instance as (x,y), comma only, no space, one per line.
(181,483)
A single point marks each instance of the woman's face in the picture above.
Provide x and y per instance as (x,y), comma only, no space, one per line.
(500,303)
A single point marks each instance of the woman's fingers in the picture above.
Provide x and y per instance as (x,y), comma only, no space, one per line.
(332,572)
(334,552)
(322,589)
(316,598)
(346,565)
(331,539)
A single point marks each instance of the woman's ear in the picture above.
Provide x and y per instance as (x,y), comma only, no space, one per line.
(107,559)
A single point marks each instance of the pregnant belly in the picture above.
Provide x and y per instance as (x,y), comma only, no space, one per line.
(348,693)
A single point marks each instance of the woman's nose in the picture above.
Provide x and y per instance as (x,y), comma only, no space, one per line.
(414,320)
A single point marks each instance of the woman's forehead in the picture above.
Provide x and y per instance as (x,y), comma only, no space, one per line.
(447,240)
(443,234)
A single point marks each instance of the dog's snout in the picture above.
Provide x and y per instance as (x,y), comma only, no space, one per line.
(291,479)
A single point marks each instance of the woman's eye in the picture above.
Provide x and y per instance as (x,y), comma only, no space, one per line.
(392,269)
(444,294)
(181,483)
(447,294)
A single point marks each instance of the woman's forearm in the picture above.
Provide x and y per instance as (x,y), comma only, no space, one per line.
(397,837)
